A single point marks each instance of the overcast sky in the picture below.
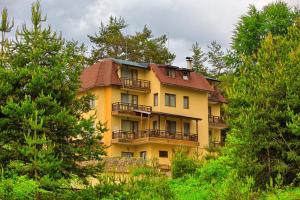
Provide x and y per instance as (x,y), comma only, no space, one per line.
(184,21)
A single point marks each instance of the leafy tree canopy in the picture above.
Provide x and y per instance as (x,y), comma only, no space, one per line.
(264,110)
(275,18)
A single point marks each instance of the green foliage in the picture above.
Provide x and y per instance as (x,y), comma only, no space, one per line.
(18,187)
(253,27)
(199,58)
(182,164)
(264,111)
(5,27)
(190,188)
(216,59)
(282,194)
(41,125)
(214,170)
(141,47)
(145,171)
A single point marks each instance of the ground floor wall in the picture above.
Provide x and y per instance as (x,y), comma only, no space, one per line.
(161,154)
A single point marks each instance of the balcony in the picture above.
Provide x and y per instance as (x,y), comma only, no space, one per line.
(136,85)
(120,108)
(154,136)
(217,121)
(216,144)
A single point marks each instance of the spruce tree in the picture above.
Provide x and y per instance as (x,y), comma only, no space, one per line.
(40,113)
(216,59)
(199,58)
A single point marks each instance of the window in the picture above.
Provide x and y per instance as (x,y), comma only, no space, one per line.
(185,75)
(186,102)
(92,103)
(129,126)
(134,100)
(210,136)
(163,154)
(170,100)
(155,125)
(125,98)
(209,111)
(155,99)
(170,72)
(171,126)
(128,73)
(127,154)
(186,128)
(143,154)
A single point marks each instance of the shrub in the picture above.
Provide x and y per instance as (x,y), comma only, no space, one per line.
(182,165)
(18,187)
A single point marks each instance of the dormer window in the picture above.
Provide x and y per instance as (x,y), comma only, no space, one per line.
(185,75)
(127,73)
(170,72)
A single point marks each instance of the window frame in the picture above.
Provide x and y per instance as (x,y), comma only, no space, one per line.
(170,72)
(143,155)
(171,124)
(155,99)
(188,102)
(168,99)
(123,153)
(92,103)
(163,154)
(184,128)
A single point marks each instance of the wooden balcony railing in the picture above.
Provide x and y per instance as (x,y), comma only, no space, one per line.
(136,84)
(216,144)
(128,107)
(153,133)
(216,119)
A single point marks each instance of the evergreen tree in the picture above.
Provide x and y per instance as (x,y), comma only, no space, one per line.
(40,114)
(141,47)
(216,59)
(264,111)
(6,27)
(199,57)
(110,41)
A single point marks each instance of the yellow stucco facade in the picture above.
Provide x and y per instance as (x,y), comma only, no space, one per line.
(141,124)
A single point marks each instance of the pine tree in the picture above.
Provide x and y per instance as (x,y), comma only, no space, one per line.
(6,27)
(216,59)
(140,47)
(38,92)
(199,58)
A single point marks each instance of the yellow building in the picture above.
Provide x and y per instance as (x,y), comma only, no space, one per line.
(150,109)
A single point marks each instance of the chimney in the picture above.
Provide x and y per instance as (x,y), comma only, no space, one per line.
(189,62)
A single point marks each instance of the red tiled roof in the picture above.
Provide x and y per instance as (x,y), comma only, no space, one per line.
(103,73)
(196,81)
(217,96)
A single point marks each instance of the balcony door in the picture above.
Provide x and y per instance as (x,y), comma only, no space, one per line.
(125,98)
(171,127)
(127,73)
(130,126)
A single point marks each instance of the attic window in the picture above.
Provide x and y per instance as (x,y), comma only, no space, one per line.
(170,72)
(185,75)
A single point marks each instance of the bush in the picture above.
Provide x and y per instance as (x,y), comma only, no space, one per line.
(182,165)
(18,187)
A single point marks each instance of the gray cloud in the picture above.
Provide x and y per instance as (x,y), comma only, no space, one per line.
(184,21)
